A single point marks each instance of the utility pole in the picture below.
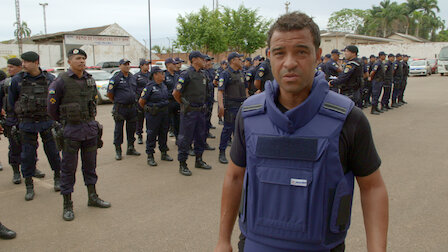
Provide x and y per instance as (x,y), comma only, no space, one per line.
(45,16)
(150,44)
(19,27)
(169,46)
(287,7)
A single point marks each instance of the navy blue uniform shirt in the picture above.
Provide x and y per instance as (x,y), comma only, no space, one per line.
(155,95)
(170,82)
(332,68)
(142,80)
(349,69)
(123,88)
(263,69)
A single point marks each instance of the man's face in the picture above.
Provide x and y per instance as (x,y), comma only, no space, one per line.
(125,67)
(326,59)
(223,66)
(159,77)
(372,59)
(144,68)
(172,67)
(392,58)
(208,64)
(77,62)
(293,59)
(237,62)
(200,62)
(399,58)
(349,55)
(12,69)
(405,59)
(247,63)
(177,66)
(29,66)
(383,57)
(256,62)
(335,56)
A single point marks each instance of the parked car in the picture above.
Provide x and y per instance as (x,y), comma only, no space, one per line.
(133,70)
(434,65)
(419,67)
(102,82)
(54,70)
(109,66)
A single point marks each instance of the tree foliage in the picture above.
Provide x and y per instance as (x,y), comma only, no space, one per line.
(212,31)
(414,17)
(22,29)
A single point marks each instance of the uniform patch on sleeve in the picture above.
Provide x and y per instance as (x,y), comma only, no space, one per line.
(347,68)
(51,91)
(111,86)
(261,74)
(179,86)
(181,80)
(143,92)
(221,82)
(53,100)
(375,67)
(111,82)
(247,78)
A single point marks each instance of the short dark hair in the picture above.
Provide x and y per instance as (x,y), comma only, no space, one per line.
(295,21)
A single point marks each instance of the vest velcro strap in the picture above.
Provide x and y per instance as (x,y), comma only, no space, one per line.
(335,108)
(287,148)
(254,105)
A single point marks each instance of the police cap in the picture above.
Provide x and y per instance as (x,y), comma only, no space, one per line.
(381,53)
(327,56)
(2,75)
(178,60)
(30,56)
(224,62)
(144,62)
(249,59)
(258,57)
(233,55)
(196,54)
(352,48)
(156,69)
(391,55)
(123,61)
(208,58)
(14,62)
(170,60)
(335,51)
(398,55)
(372,56)
(76,51)
(364,57)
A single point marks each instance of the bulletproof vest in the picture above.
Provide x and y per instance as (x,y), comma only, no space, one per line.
(32,102)
(235,91)
(5,86)
(399,71)
(268,76)
(78,104)
(296,195)
(379,74)
(355,80)
(389,73)
(405,69)
(196,90)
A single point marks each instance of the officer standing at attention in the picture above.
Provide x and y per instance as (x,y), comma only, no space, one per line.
(294,182)
(222,67)
(389,71)
(364,90)
(250,75)
(121,91)
(405,80)
(171,77)
(372,60)
(210,73)
(142,78)
(191,93)
(232,92)
(333,68)
(14,66)
(27,97)
(377,78)
(350,81)
(264,73)
(398,80)
(154,101)
(72,102)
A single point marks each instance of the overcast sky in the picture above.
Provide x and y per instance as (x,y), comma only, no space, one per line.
(132,15)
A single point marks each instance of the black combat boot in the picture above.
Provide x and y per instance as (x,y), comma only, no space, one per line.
(191,152)
(29,189)
(1,166)
(16,179)
(94,200)
(118,152)
(384,107)
(6,233)
(57,181)
(208,147)
(150,161)
(131,151)
(389,107)
(38,174)
(222,157)
(166,157)
(395,105)
(201,164)
(373,111)
(183,168)
(378,110)
(210,135)
(67,213)
(140,139)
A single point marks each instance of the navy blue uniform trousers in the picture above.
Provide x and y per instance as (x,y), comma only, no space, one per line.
(376,91)
(229,127)
(157,127)
(192,127)
(122,114)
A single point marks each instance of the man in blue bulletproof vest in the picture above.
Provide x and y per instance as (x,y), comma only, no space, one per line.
(142,78)
(389,71)
(263,74)
(377,76)
(27,97)
(11,123)
(398,80)
(72,101)
(232,91)
(291,175)
(191,93)
(121,92)
(154,101)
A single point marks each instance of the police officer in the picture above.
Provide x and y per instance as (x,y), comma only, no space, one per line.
(154,101)
(210,73)
(27,97)
(389,72)
(72,101)
(191,93)
(372,60)
(178,64)
(171,76)
(365,76)
(350,81)
(247,63)
(263,73)
(14,66)
(294,182)
(250,75)
(121,91)
(398,80)
(231,93)
(223,66)
(377,78)
(333,68)
(142,78)
(405,80)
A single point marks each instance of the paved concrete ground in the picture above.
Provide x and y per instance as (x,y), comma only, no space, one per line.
(157,209)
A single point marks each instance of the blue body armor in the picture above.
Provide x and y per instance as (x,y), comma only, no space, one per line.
(295,193)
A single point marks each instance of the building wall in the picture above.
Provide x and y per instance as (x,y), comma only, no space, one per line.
(49,54)
(415,50)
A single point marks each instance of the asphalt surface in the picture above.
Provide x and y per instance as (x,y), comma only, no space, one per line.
(157,209)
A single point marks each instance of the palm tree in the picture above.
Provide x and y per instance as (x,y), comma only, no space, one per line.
(383,16)
(427,7)
(22,30)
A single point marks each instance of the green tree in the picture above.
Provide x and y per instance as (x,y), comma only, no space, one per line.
(347,20)
(382,18)
(245,30)
(22,29)
(442,36)
(156,49)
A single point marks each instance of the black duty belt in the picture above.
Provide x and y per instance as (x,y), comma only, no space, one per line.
(121,105)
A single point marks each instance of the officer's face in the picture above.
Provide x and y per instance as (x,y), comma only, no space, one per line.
(383,57)
(125,67)
(391,58)
(12,70)
(237,62)
(256,62)
(29,66)
(405,59)
(349,55)
(335,56)
(293,59)
(77,62)
(144,68)
(159,77)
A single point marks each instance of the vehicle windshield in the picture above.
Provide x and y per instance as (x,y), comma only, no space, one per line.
(100,75)
(443,55)
(418,63)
